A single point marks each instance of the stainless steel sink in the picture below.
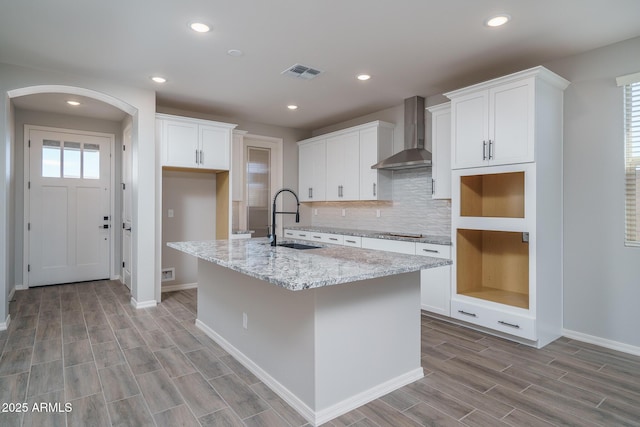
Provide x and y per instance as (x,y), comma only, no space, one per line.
(298,246)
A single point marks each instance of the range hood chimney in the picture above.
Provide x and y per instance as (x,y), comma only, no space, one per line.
(414,154)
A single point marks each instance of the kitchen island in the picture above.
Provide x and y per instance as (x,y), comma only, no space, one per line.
(327,329)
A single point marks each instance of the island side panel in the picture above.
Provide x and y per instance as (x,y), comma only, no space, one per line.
(280,330)
(367,340)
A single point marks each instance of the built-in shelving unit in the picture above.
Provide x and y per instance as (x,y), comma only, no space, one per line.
(507,205)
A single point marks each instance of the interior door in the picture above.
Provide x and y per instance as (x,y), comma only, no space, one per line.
(127,217)
(69,215)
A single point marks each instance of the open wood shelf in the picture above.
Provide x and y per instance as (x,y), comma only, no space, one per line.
(493,265)
(492,195)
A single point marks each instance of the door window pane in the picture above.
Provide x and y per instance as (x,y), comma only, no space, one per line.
(71,160)
(258,190)
(50,159)
(91,161)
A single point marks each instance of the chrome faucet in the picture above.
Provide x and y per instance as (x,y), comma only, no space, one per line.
(273,213)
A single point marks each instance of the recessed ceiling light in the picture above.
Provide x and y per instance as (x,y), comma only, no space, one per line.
(73,103)
(498,20)
(364,77)
(292,107)
(159,79)
(235,52)
(199,27)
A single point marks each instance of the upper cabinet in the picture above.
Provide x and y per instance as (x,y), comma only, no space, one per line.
(441,150)
(337,166)
(194,143)
(343,167)
(494,123)
(312,171)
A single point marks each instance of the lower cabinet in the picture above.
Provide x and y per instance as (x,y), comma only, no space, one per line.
(494,318)
(435,283)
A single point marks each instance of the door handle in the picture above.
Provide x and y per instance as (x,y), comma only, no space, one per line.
(490,151)
(484,150)
(201,157)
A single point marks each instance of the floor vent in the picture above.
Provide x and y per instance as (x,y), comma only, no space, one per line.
(168,274)
(302,72)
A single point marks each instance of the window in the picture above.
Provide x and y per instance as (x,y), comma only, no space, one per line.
(632,157)
(70,160)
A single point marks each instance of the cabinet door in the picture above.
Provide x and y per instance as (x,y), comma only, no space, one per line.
(469,130)
(368,156)
(511,124)
(214,147)
(435,290)
(179,144)
(441,150)
(312,171)
(343,167)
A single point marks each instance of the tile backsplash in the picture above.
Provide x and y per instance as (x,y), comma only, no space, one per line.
(412,209)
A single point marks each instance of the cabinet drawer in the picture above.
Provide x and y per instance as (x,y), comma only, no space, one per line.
(354,241)
(398,246)
(509,323)
(436,251)
(335,239)
(297,234)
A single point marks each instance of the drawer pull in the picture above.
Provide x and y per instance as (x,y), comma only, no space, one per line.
(466,313)
(433,251)
(333,238)
(350,241)
(289,234)
(302,235)
(316,237)
(509,324)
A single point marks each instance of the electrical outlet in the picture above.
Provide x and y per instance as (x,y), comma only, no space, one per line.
(344,212)
(245,320)
(315,211)
(168,274)
(377,213)
(170,213)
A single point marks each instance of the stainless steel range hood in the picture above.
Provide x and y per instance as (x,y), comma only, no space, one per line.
(414,154)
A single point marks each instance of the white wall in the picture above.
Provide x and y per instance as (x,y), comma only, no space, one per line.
(192,197)
(64,121)
(601,275)
(142,105)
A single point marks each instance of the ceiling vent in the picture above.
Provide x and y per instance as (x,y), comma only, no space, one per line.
(302,72)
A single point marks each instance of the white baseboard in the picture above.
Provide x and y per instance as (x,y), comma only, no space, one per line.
(613,345)
(316,418)
(12,292)
(143,304)
(4,325)
(172,288)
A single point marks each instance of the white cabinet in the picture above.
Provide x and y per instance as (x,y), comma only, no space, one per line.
(337,166)
(495,123)
(507,209)
(375,145)
(343,167)
(398,246)
(312,171)
(441,150)
(194,143)
(435,283)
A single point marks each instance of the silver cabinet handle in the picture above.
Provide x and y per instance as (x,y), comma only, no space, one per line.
(484,150)
(310,193)
(374,189)
(289,234)
(433,186)
(431,250)
(490,151)
(197,158)
(466,313)
(302,235)
(511,325)
(316,237)
(350,241)
(201,157)
(333,238)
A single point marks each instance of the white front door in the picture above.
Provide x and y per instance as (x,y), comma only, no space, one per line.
(69,214)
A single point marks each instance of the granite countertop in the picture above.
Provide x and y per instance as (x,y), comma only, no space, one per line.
(296,269)
(436,240)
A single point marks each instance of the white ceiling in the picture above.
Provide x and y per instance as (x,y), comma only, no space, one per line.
(410,47)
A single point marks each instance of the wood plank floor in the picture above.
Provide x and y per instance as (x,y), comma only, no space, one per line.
(85,345)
